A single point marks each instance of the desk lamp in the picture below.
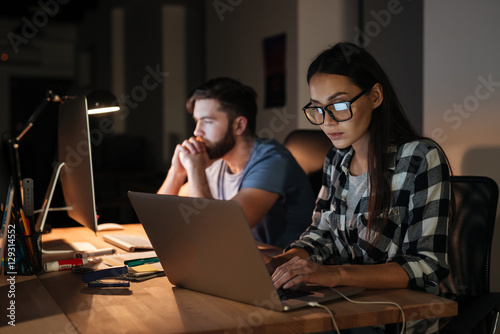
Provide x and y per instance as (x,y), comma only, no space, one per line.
(50,96)
(101,101)
(95,101)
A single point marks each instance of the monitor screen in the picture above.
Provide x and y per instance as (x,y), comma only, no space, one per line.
(74,166)
(74,150)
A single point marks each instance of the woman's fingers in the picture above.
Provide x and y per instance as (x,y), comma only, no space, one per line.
(291,273)
(300,271)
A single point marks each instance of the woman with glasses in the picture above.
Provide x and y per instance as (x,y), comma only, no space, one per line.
(382,213)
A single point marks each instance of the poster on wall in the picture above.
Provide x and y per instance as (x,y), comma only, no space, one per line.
(275,70)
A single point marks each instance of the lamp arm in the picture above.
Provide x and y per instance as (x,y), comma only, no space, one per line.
(16,171)
(50,96)
(14,142)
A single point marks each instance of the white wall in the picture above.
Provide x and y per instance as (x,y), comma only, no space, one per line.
(393,34)
(234,49)
(320,24)
(173,90)
(310,27)
(461,110)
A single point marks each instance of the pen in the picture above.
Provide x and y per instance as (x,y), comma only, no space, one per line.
(138,277)
(100,284)
(96,252)
(137,262)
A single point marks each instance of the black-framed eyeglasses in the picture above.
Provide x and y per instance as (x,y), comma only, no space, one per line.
(339,111)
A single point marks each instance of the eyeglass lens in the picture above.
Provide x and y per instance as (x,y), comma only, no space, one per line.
(340,112)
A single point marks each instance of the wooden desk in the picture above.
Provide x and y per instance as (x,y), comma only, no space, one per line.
(59,301)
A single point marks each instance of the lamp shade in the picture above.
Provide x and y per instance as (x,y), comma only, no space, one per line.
(101,101)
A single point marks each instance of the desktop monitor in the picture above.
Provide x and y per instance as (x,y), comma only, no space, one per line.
(74,166)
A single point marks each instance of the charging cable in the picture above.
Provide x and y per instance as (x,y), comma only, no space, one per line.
(314,304)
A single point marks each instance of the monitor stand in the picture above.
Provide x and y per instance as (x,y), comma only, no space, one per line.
(42,217)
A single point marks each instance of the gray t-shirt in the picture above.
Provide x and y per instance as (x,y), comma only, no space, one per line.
(357,188)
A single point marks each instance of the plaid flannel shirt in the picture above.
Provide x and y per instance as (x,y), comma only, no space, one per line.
(416,232)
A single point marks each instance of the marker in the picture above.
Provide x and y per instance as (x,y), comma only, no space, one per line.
(138,262)
(64,264)
(97,252)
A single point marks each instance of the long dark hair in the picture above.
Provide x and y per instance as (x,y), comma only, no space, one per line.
(389,124)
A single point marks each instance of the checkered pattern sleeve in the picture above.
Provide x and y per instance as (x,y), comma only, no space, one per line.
(423,251)
(318,239)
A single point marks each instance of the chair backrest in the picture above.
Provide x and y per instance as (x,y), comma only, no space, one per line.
(471,233)
(309,148)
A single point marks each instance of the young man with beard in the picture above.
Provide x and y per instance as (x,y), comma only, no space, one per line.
(226,160)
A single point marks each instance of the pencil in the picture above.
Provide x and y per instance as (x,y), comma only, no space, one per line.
(26,225)
(28,241)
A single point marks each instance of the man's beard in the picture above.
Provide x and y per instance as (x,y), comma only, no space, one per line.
(219,149)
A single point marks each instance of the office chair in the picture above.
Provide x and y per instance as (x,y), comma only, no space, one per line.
(309,148)
(469,252)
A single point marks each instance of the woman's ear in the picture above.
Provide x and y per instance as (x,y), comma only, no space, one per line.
(239,125)
(377,95)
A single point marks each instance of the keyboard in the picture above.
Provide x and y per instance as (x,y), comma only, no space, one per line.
(285,294)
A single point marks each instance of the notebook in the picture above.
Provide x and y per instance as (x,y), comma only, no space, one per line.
(130,243)
(206,245)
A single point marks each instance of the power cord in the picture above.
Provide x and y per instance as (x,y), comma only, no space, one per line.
(315,304)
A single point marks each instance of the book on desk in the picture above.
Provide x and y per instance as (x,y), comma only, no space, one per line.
(130,243)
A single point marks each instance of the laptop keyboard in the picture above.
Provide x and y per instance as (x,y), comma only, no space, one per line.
(285,294)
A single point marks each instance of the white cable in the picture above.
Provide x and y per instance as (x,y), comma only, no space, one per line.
(314,304)
(377,302)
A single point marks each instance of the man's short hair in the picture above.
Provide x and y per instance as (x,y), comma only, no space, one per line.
(235,99)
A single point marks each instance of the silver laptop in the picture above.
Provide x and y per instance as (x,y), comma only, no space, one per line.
(207,245)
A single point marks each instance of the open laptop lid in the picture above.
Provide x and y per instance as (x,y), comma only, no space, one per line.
(206,245)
